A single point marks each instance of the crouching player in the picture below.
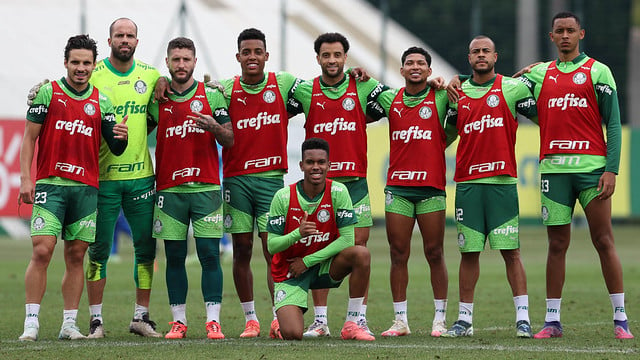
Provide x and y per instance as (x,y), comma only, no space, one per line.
(311,238)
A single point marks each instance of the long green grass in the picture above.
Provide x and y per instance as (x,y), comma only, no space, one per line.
(586,310)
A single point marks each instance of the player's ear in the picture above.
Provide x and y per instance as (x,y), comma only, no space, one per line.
(300,165)
(266,56)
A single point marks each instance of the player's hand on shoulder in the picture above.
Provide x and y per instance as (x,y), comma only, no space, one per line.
(214,84)
(360,74)
(452,89)
(526,69)
(34,91)
(437,83)
(162,90)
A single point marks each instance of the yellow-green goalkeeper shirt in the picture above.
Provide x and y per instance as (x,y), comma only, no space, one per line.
(130,93)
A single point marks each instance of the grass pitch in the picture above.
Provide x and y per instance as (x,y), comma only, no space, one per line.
(586,310)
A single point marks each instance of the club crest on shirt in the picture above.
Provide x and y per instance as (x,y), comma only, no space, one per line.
(348,104)
(269,96)
(323,215)
(425,112)
(493,100)
(89,109)
(157,226)
(38,223)
(140,87)
(196,106)
(579,78)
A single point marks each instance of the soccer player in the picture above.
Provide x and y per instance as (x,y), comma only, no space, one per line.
(126,181)
(188,184)
(255,165)
(336,107)
(64,112)
(575,95)
(311,237)
(415,188)
(486,175)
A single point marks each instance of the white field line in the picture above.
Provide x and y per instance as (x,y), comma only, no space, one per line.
(12,345)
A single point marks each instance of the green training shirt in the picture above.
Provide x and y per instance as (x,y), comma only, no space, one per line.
(130,93)
(442,104)
(345,218)
(368,91)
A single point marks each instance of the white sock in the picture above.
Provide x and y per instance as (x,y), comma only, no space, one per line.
(553,310)
(522,307)
(249,309)
(32,312)
(273,310)
(69,316)
(400,311)
(354,309)
(179,312)
(96,312)
(140,311)
(440,309)
(617,302)
(363,314)
(320,314)
(213,311)
(465,312)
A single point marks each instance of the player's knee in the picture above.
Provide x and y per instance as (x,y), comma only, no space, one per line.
(290,334)
(603,243)
(41,255)
(434,254)
(511,256)
(242,252)
(74,256)
(362,255)
(399,255)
